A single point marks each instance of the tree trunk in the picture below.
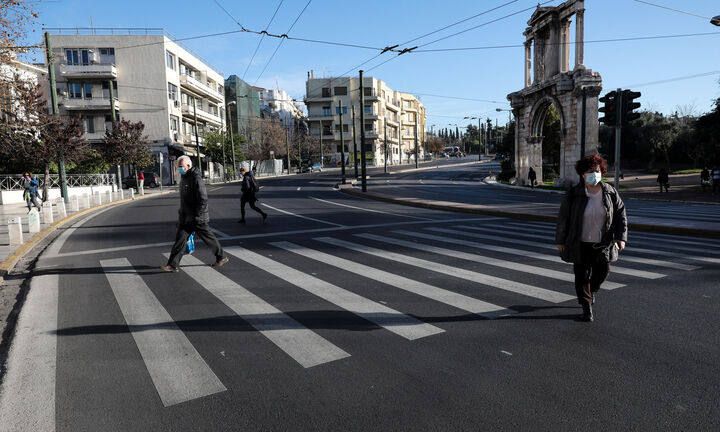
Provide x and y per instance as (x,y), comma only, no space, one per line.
(46,186)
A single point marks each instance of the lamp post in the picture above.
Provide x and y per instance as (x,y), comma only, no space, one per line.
(232,141)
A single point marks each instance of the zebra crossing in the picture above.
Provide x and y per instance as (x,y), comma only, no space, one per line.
(489,263)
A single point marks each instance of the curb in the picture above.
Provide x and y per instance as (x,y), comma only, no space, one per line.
(20,252)
(694,232)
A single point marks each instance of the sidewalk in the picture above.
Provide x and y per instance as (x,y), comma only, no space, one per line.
(11,254)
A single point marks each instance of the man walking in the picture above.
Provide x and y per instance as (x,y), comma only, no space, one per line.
(249,188)
(193,216)
(532,177)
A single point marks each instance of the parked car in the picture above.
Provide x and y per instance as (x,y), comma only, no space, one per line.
(151,180)
(316,167)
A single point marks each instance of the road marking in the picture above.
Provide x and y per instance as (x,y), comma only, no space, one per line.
(370,210)
(177,370)
(56,245)
(459,301)
(27,401)
(214,189)
(390,319)
(304,346)
(219,233)
(506,353)
(511,265)
(496,282)
(303,217)
(547,257)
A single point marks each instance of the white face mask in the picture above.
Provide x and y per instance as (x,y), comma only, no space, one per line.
(593,178)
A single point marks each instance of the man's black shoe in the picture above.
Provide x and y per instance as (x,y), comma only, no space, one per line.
(265,218)
(220,262)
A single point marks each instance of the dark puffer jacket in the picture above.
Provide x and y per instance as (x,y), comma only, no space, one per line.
(570,220)
(193,198)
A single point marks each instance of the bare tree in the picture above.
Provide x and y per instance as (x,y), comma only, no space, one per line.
(268,136)
(435,144)
(126,144)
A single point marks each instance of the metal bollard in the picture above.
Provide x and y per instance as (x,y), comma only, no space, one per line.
(60,204)
(47,212)
(15,231)
(34,221)
(74,204)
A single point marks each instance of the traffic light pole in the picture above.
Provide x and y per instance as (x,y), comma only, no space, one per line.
(618,135)
(362,134)
(342,144)
(56,113)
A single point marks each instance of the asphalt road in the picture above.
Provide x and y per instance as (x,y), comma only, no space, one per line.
(345,314)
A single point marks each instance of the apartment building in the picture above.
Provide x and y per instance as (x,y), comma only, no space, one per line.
(246,106)
(388,113)
(9,72)
(162,83)
(276,103)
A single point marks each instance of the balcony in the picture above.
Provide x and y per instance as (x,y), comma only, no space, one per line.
(318,116)
(372,95)
(95,136)
(391,121)
(87,104)
(188,111)
(198,86)
(90,70)
(189,140)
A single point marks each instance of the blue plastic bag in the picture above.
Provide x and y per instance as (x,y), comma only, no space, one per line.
(190,245)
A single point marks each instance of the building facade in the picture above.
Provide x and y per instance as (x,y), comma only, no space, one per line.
(394,121)
(246,107)
(279,104)
(154,80)
(20,71)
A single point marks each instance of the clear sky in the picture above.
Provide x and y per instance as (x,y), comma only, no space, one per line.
(482,75)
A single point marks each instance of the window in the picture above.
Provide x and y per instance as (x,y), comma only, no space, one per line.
(369,127)
(326,111)
(368,109)
(174,122)
(337,110)
(345,128)
(78,56)
(107,51)
(326,92)
(172,91)
(368,91)
(75,90)
(340,91)
(411,117)
(88,90)
(89,124)
(106,90)
(170,60)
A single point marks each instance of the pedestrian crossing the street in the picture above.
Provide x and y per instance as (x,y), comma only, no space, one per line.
(491,271)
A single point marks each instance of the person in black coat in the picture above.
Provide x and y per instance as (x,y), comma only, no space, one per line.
(249,189)
(532,177)
(663,179)
(193,216)
(591,230)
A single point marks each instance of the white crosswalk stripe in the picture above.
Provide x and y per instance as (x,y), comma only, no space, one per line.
(512,265)
(390,319)
(305,346)
(496,282)
(178,371)
(547,257)
(459,301)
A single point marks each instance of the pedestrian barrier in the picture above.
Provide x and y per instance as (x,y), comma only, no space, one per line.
(47,212)
(132,193)
(98,198)
(15,231)
(60,204)
(86,201)
(122,194)
(34,221)
(74,204)
(108,196)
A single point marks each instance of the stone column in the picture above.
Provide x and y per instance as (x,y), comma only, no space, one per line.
(528,63)
(565,45)
(579,37)
(553,50)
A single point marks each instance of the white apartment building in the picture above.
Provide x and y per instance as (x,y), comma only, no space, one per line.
(21,71)
(398,116)
(162,83)
(281,105)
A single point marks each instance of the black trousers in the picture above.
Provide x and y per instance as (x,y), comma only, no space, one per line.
(249,199)
(202,231)
(590,273)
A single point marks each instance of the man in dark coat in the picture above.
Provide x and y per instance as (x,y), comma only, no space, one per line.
(532,177)
(193,216)
(249,188)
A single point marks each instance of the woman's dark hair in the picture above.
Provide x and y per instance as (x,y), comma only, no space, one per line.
(589,162)
(27,173)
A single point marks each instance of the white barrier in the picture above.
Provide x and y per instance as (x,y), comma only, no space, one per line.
(122,194)
(98,198)
(108,196)
(34,221)
(15,231)
(132,193)
(86,201)
(47,212)
(74,203)
(60,204)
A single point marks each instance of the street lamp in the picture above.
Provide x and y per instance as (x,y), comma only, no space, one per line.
(232,142)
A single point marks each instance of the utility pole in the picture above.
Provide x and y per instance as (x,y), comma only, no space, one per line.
(354,139)
(287,150)
(53,99)
(618,131)
(416,142)
(479,139)
(232,149)
(342,145)
(489,137)
(386,145)
(362,132)
(114,122)
(197,138)
(321,136)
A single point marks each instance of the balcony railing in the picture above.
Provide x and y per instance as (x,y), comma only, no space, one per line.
(90,70)
(188,110)
(87,104)
(201,86)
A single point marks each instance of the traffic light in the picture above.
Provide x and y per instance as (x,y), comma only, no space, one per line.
(628,106)
(609,109)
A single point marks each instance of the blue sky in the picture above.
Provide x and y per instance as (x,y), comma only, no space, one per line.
(487,75)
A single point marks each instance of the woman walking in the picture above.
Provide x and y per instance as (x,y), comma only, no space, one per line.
(591,230)
(31,191)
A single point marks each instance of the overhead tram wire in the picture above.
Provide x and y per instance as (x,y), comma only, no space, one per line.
(264,32)
(674,10)
(281,41)
(669,80)
(228,14)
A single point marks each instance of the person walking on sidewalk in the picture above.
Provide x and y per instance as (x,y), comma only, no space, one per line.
(193,216)
(30,193)
(591,230)
(140,180)
(249,190)
(716,179)
(663,179)
(704,178)
(532,177)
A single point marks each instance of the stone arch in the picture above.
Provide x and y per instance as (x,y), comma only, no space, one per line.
(537,121)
